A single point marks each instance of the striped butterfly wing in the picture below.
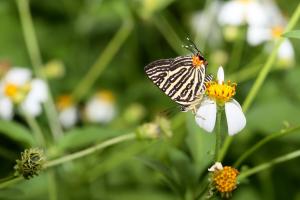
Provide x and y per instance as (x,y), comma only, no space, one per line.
(178,79)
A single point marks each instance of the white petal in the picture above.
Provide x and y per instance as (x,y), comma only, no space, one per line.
(217,166)
(236,119)
(39,91)
(206,115)
(31,107)
(220,75)
(99,111)
(257,35)
(286,50)
(68,117)
(18,75)
(6,108)
(274,14)
(232,13)
(255,14)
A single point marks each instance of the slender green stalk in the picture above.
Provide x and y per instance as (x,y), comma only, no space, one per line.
(52,188)
(169,33)
(103,60)
(263,74)
(218,135)
(36,129)
(263,142)
(36,60)
(90,150)
(269,164)
(13,180)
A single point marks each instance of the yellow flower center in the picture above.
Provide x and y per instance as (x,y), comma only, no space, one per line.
(221,93)
(106,95)
(11,89)
(225,180)
(277,31)
(245,1)
(64,101)
(16,93)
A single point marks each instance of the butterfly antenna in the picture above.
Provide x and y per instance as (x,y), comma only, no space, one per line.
(194,46)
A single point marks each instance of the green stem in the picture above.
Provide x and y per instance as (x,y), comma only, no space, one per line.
(52,188)
(36,129)
(103,60)
(218,135)
(90,150)
(263,142)
(269,164)
(36,60)
(263,74)
(169,33)
(11,181)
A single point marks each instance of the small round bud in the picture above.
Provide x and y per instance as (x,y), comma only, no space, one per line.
(159,128)
(31,163)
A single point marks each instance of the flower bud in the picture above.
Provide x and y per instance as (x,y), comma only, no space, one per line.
(31,163)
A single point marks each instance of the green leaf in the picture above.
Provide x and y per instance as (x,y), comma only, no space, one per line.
(113,159)
(80,137)
(200,144)
(292,34)
(274,108)
(165,171)
(16,132)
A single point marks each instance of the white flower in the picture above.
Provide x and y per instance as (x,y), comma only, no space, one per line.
(100,108)
(17,88)
(205,23)
(271,32)
(240,12)
(219,94)
(67,111)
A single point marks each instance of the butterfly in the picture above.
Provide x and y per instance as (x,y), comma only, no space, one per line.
(182,78)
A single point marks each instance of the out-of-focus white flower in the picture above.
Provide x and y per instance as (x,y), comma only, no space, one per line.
(101,107)
(205,23)
(67,111)
(219,95)
(271,32)
(18,88)
(240,12)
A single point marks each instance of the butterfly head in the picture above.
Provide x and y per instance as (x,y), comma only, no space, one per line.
(199,61)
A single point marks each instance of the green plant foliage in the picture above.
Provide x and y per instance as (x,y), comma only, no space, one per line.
(108,133)
(292,34)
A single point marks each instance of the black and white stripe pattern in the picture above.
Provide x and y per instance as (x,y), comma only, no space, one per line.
(179,79)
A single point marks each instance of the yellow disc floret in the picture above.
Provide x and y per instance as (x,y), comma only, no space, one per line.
(277,31)
(11,90)
(64,101)
(225,180)
(221,93)
(106,95)
(245,2)
(16,93)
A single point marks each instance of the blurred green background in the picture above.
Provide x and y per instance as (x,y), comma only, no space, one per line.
(77,33)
